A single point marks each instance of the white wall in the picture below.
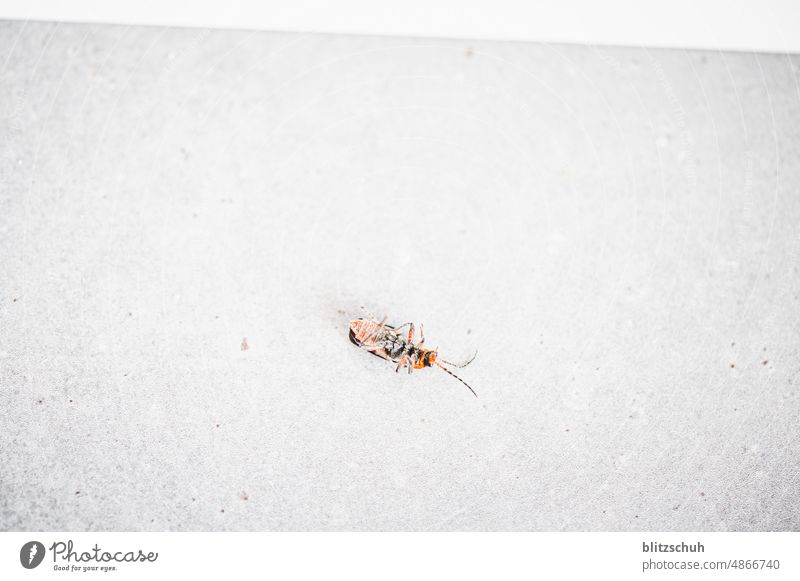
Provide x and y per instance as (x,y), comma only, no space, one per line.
(764,25)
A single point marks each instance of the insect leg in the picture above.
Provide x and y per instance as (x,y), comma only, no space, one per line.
(400,363)
(411,333)
(422,335)
(368,313)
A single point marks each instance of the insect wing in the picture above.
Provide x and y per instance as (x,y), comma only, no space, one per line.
(370,336)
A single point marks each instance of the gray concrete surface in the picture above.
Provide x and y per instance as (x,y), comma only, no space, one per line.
(616,231)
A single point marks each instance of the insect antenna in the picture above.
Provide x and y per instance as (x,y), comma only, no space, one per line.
(457,377)
(462,365)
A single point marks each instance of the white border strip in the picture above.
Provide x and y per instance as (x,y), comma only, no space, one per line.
(746,25)
(400,556)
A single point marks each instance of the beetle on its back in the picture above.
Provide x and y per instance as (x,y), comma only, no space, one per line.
(387,342)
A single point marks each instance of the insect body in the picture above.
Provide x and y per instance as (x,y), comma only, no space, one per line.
(389,343)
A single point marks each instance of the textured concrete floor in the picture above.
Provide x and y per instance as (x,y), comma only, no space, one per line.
(616,230)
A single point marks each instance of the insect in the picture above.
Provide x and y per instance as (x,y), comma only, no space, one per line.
(388,343)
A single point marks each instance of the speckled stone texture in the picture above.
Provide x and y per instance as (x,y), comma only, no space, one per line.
(617,231)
